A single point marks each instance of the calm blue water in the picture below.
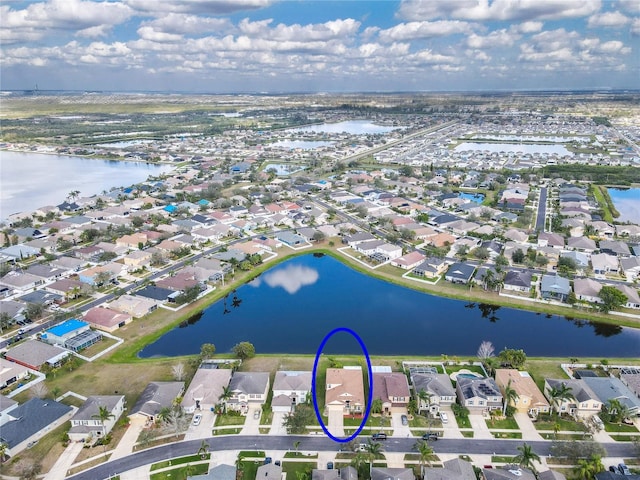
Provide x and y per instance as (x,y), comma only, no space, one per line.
(353,127)
(29,181)
(627,202)
(291,308)
(472,197)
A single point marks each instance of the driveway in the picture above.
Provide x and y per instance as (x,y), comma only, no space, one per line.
(450,429)
(336,422)
(129,439)
(526,426)
(399,430)
(60,468)
(276,424)
(204,429)
(480,429)
(252,424)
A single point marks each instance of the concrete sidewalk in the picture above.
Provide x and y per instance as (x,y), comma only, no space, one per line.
(65,461)
(480,429)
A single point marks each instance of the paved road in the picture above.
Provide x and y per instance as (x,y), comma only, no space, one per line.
(542,210)
(321,443)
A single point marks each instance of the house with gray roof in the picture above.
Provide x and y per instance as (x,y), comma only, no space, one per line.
(154,398)
(291,239)
(508,472)
(612,388)
(454,469)
(219,472)
(31,421)
(33,354)
(551,475)
(478,394)
(584,403)
(587,290)
(269,471)
(460,273)
(580,259)
(582,244)
(248,389)
(604,263)
(86,424)
(554,287)
(344,473)
(290,388)
(378,473)
(431,267)
(630,268)
(517,280)
(437,386)
(614,247)
(6,405)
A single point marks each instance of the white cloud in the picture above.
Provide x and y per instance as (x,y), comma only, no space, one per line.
(498,9)
(150,33)
(89,17)
(213,7)
(631,6)
(608,19)
(528,27)
(335,29)
(497,38)
(415,30)
(180,23)
(635,26)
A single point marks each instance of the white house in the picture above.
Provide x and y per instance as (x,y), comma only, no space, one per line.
(290,388)
(87,423)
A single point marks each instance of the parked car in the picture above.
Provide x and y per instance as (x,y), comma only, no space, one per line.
(379,436)
(329,465)
(613,469)
(277,463)
(430,436)
(444,417)
(267,460)
(197,418)
(404,420)
(623,469)
(256,414)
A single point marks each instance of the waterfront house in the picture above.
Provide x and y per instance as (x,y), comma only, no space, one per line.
(587,290)
(86,423)
(517,280)
(290,388)
(437,388)
(408,261)
(155,397)
(248,389)
(345,390)
(460,273)
(206,388)
(584,402)
(478,394)
(633,299)
(530,399)
(612,388)
(554,287)
(392,389)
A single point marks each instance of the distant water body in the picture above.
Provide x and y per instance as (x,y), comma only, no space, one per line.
(627,202)
(32,180)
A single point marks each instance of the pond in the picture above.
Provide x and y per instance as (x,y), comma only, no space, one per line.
(283,169)
(472,197)
(627,202)
(290,308)
(353,127)
(301,144)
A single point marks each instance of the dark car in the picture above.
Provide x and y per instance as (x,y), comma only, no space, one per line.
(330,466)
(379,436)
(267,460)
(430,436)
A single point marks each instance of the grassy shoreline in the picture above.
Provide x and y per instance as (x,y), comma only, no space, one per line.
(128,352)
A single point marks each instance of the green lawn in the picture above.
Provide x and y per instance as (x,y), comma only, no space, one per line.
(507,434)
(614,427)
(290,468)
(467,434)
(249,469)
(420,421)
(546,422)
(226,419)
(180,473)
(463,422)
(179,461)
(508,422)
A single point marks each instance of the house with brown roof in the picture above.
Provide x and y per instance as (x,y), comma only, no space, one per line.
(135,306)
(106,319)
(393,389)
(179,282)
(530,399)
(345,390)
(408,261)
(587,289)
(206,388)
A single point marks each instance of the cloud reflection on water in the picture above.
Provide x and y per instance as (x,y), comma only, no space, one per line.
(292,278)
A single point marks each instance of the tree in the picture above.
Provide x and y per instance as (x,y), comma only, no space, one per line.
(376,406)
(586,469)
(558,395)
(616,410)
(103,415)
(502,261)
(425,399)
(514,358)
(204,448)
(102,277)
(318,236)
(373,449)
(244,350)
(526,458)
(485,350)
(4,321)
(612,298)
(510,396)
(178,372)
(518,256)
(39,390)
(481,253)
(207,350)
(157,259)
(296,422)
(225,396)
(575,450)
(28,470)
(424,451)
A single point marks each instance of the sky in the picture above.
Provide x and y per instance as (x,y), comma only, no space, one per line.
(236,46)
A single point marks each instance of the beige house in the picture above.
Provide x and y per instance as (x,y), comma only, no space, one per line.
(530,399)
(137,307)
(206,388)
(138,259)
(584,403)
(345,390)
(107,319)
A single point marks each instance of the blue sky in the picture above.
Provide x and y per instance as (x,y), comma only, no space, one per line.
(228,46)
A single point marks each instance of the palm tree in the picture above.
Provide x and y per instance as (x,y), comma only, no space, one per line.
(103,415)
(224,396)
(510,396)
(617,410)
(374,449)
(526,457)
(586,469)
(558,395)
(296,444)
(425,452)
(164,414)
(3,451)
(425,399)
(204,448)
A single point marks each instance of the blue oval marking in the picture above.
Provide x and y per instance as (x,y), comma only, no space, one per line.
(313,384)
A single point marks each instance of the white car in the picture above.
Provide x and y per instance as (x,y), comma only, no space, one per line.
(444,417)
(256,414)
(196,420)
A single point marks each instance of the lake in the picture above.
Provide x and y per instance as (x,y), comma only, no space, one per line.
(627,202)
(514,148)
(472,197)
(301,144)
(353,127)
(32,180)
(284,169)
(290,308)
